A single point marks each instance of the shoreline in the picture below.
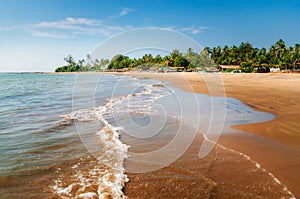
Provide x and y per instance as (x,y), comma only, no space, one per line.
(274,144)
(274,97)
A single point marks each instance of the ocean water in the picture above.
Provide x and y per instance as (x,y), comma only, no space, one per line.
(79,136)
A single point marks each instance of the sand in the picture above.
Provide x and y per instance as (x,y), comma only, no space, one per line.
(277,146)
(278,94)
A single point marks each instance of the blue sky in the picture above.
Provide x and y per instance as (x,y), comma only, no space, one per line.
(35,35)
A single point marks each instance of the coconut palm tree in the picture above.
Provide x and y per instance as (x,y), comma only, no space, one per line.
(216,54)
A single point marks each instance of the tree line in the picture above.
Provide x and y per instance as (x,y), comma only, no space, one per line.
(82,65)
(250,59)
(188,60)
(279,55)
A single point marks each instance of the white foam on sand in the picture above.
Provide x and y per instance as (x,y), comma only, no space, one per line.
(258,166)
(105,177)
(101,178)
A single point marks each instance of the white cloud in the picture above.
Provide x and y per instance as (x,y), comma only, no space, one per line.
(7,28)
(193,30)
(169,28)
(187,30)
(84,21)
(74,26)
(47,35)
(125,11)
(69,23)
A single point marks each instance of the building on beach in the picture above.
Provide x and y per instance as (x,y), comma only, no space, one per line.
(228,67)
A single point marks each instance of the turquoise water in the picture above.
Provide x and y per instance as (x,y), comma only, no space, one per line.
(30,106)
(51,123)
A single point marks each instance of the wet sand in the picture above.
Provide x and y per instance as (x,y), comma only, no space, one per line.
(278,94)
(274,144)
(223,173)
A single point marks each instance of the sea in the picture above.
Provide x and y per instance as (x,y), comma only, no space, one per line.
(105,135)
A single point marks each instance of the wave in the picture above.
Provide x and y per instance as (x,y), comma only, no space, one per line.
(106,177)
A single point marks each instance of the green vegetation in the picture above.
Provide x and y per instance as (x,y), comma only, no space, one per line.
(250,59)
(71,67)
(258,60)
(175,59)
(81,65)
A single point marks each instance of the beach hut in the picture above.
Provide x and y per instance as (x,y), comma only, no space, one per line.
(229,67)
(177,68)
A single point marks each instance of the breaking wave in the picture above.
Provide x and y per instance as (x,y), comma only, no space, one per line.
(105,177)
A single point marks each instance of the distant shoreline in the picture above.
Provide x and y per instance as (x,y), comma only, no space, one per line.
(129,72)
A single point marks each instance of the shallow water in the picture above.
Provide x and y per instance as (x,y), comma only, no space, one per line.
(59,137)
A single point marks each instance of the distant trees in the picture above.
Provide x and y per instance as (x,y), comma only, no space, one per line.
(259,60)
(82,65)
(174,59)
(71,67)
(249,58)
(119,61)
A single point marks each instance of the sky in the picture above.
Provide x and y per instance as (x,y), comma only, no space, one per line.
(35,35)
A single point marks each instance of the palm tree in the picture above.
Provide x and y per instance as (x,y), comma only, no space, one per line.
(262,56)
(166,60)
(272,56)
(147,58)
(296,55)
(104,62)
(280,44)
(280,52)
(80,63)
(216,54)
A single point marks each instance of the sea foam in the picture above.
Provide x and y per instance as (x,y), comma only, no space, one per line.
(105,177)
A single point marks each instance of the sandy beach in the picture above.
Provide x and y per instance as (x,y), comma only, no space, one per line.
(273,93)
(274,144)
(253,160)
